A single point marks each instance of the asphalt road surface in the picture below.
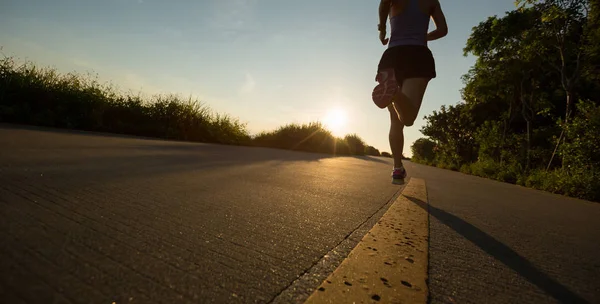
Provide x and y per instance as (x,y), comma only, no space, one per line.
(91,218)
(492,242)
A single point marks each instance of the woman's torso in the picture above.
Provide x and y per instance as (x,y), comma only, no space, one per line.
(409,21)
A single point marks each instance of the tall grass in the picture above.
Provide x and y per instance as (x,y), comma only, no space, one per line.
(41,96)
(44,97)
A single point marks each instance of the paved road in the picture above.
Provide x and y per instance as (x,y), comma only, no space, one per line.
(95,219)
(492,242)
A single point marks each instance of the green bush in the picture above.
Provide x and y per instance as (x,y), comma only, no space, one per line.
(572,183)
(466,169)
(581,150)
(509,174)
(484,169)
(356,144)
(370,150)
(423,149)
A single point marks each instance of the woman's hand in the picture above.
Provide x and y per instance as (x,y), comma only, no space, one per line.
(382,34)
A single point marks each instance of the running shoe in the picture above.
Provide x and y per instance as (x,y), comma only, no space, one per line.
(383,94)
(398,176)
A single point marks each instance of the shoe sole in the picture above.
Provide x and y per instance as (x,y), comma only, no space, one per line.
(398,181)
(385,91)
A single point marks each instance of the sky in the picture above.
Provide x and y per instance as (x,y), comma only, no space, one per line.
(266,62)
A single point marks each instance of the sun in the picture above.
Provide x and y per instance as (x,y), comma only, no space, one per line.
(335,120)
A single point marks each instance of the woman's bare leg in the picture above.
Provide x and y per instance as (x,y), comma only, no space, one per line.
(407,101)
(396,136)
(403,112)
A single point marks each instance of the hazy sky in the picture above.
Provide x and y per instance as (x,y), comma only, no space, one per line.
(266,62)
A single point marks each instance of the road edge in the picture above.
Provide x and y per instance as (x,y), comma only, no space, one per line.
(301,288)
(389,264)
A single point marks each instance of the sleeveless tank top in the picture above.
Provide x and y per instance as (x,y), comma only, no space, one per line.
(409,27)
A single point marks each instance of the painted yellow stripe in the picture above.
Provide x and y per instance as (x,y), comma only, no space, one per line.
(389,265)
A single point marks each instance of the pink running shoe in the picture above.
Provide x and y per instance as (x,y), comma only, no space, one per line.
(398,176)
(384,92)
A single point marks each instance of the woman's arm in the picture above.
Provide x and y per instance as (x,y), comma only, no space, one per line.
(384,11)
(441,27)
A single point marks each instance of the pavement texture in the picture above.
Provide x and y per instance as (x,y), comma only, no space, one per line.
(101,219)
(492,242)
(389,265)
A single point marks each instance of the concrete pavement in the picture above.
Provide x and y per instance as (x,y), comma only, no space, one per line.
(92,218)
(97,219)
(492,242)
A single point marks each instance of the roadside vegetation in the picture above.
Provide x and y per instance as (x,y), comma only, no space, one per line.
(313,137)
(43,97)
(530,113)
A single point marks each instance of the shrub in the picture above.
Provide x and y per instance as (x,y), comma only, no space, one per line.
(356,144)
(423,149)
(311,137)
(370,150)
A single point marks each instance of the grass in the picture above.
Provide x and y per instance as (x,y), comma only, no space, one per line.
(44,97)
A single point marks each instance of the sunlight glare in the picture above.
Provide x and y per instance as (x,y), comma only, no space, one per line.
(335,121)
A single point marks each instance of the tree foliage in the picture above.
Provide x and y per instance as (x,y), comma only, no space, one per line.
(529,111)
(423,150)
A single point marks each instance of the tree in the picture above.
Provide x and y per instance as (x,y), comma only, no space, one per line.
(565,23)
(518,107)
(452,130)
(423,150)
(592,49)
(510,55)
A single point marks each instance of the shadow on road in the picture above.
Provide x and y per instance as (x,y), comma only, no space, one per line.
(502,253)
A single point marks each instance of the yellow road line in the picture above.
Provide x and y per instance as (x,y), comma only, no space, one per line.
(389,264)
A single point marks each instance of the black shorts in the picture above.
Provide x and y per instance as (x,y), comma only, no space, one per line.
(408,61)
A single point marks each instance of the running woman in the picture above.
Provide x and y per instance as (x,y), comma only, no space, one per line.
(406,66)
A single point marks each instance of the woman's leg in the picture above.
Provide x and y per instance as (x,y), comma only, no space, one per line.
(403,112)
(409,98)
(396,136)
